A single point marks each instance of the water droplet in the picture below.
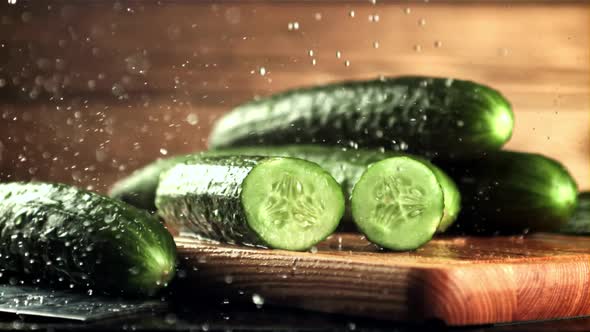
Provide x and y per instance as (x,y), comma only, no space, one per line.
(351,13)
(437,43)
(460,123)
(228,279)
(338,54)
(422,22)
(347,63)
(293,26)
(375,44)
(351,326)
(374,18)
(170,319)
(26,17)
(503,51)
(407,10)
(2,82)
(262,71)
(310,52)
(257,300)
(163,151)
(418,48)
(313,62)
(192,119)
(318,16)
(89,292)
(205,327)
(11,2)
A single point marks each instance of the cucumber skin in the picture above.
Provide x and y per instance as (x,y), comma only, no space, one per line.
(424,115)
(579,223)
(346,166)
(209,205)
(90,240)
(512,192)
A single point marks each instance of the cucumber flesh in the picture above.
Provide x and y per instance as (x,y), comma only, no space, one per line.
(398,203)
(291,204)
(281,203)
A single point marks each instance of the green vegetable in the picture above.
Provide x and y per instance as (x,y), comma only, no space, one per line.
(511,192)
(282,203)
(398,203)
(579,223)
(346,166)
(60,233)
(431,116)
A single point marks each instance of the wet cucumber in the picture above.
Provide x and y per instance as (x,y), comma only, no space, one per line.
(512,192)
(281,203)
(398,203)
(431,116)
(579,223)
(346,166)
(61,234)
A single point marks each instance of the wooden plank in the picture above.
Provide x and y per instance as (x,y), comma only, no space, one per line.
(458,280)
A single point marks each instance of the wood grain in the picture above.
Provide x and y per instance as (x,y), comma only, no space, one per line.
(93,90)
(461,281)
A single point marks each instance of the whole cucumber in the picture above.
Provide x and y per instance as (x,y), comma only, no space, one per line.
(61,234)
(512,192)
(425,115)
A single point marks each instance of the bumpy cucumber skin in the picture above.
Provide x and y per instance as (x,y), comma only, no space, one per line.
(345,165)
(208,204)
(425,115)
(512,192)
(579,223)
(61,234)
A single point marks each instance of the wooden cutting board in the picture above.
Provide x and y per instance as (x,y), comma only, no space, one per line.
(459,280)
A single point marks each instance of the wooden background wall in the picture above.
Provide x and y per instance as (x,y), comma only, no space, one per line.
(91,90)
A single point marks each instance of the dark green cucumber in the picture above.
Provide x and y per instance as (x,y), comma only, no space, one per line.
(431,116)
(345,165)
(139,188)
(59,233)
(579,223)
(281,203)
(398,203)
(512,192)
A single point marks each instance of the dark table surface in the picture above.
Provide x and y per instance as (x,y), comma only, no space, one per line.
(196,313)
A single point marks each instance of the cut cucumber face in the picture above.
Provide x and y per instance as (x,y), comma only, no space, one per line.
(291,204)
(398,203)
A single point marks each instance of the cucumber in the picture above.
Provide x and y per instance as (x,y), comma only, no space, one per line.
(346,166)
(281,203)
(425,115)
(139,188)
(61,234)
(512,192)
(579,223)
(398,203)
